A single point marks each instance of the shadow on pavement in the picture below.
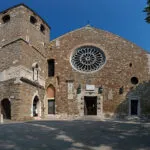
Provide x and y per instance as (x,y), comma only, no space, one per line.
(74,135)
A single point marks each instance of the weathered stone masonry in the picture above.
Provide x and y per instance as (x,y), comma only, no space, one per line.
(37,76)
(23,60)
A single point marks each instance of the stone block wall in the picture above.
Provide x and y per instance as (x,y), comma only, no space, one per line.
(27,93)
(124,60)
(29,56)
(10,91)
(21,95)
(19,26)
(10,55)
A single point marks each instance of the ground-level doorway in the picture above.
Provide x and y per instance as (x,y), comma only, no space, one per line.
(6,108)
(134,107)
(51,106)
(36,107)
(90,105)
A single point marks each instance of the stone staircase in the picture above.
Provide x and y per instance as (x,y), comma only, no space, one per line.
(73,117)
(90,118)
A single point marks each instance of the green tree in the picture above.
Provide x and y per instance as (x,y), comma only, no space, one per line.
(147,10)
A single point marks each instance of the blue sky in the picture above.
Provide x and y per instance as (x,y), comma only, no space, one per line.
(122,17)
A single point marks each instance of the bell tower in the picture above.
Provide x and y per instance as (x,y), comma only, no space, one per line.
(23,63)
(20,24)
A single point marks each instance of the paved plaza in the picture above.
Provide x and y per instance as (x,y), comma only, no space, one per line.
(75,135)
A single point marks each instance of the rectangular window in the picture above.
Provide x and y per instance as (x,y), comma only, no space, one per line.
(51,67)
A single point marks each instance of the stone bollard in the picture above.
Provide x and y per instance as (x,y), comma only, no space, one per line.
(1,118)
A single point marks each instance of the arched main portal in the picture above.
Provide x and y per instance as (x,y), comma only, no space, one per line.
(6,108)
(36,107)
(51,99)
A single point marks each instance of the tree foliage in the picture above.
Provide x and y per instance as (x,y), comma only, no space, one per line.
(147,10)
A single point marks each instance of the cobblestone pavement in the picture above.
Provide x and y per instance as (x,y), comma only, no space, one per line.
(75,135)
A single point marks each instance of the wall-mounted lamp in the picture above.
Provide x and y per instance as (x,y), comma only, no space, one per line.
(79,89)
(100,90)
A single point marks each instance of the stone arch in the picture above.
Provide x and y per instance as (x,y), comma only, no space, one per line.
(36,107)
(6,108)
(50,93)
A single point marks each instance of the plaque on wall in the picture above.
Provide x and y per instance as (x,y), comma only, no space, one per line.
(70,90)
(90,87)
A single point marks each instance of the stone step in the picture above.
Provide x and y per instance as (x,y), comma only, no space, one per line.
(91,117)
(72,117)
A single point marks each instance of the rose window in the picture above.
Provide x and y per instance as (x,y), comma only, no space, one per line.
(88,59)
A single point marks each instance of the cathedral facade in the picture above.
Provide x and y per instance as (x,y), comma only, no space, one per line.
(85,72)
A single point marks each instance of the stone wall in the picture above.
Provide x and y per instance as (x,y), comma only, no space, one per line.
(10,55)
(27,95)
(20,26)
(21,96)
(142,92)
(124,60)
(29,56)
(10,91)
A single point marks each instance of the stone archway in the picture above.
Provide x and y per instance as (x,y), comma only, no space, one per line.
(36,110)
(51,99)
(6,108)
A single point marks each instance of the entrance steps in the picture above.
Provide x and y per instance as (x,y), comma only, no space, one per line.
(73,117)
(133,118)
(60,117)
(91,118)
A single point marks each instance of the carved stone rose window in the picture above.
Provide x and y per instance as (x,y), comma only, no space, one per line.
(88,59)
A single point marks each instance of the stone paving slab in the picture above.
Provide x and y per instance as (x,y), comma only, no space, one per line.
(75,135)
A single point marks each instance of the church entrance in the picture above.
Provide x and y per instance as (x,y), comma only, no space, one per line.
(6,108)
(36,107)
(90,105)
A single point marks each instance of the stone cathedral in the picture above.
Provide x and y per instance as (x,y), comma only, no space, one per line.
(84,72)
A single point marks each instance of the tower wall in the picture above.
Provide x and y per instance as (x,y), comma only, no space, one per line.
(23,62)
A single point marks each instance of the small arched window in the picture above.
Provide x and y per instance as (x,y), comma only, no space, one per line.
(42,28)
(6,18)
(35,68)
(33,20)
(51,92)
